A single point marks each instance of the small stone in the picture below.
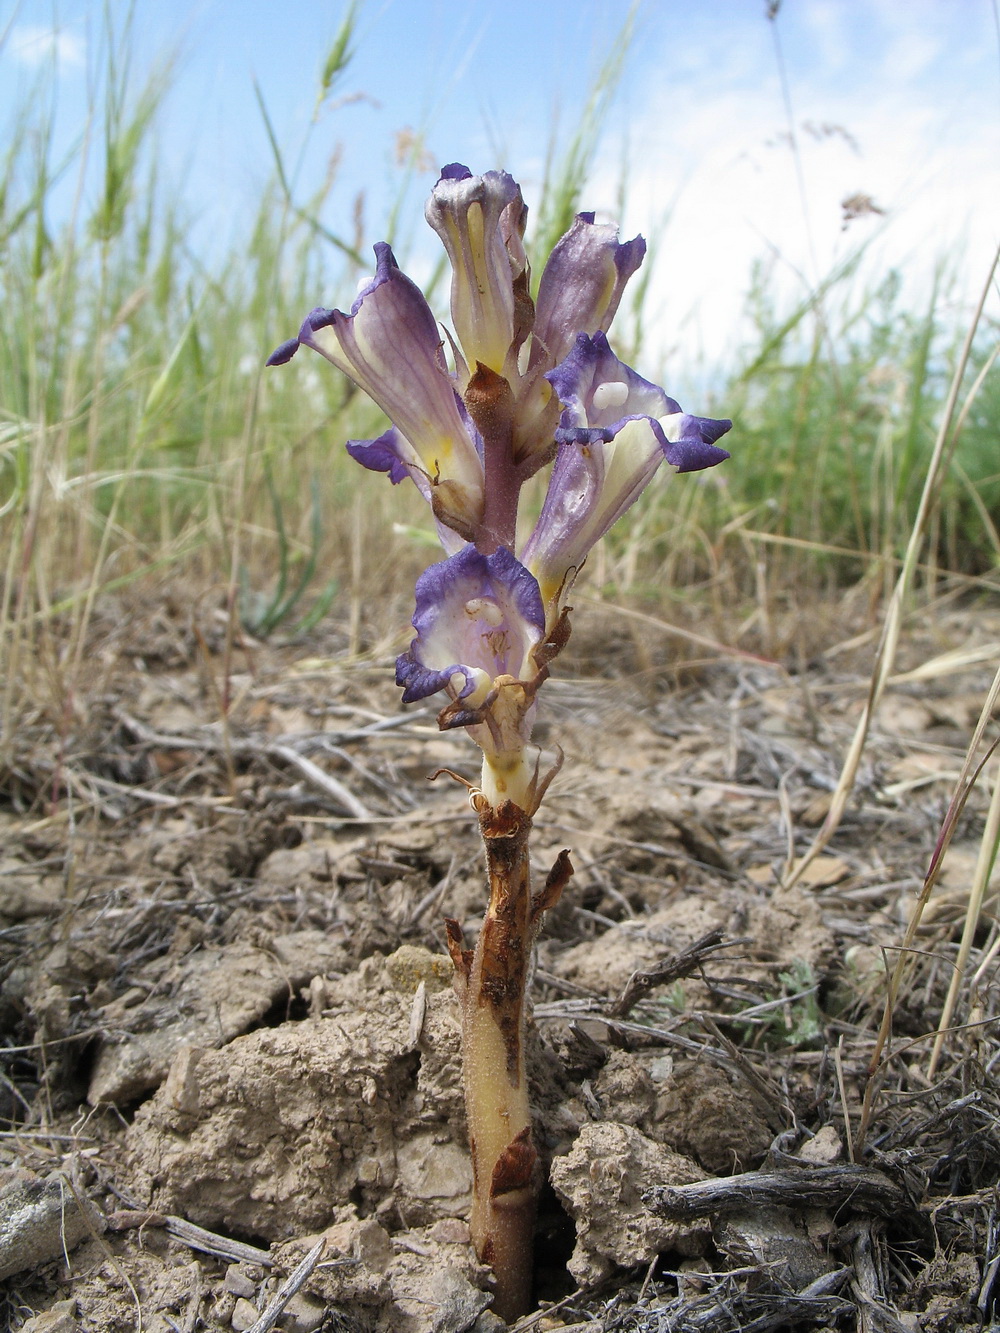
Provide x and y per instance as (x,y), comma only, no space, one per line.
(451,1231)
(460,1305)
(238,1283)
(319,997)
(823,1149)
(362,1240)
(488,1322)
(303,1314)
(411,964)
(244,1315)
(181,1085)
(221,1308)
(59,1318)
(41,1220)
(435,1173)
(368,1170)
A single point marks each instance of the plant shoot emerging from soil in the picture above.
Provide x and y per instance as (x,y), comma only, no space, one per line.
(532,383)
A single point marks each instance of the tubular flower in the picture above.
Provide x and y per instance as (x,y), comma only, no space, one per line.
(579,292)
(390,347)
(477,218)
(581,286)
(479,621)
(478,617)
(615,430)
(470,439)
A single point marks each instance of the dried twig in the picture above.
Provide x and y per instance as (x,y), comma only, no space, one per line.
(865,1190)
(668,971)
(208,1242)
(214,744)
(316,775)
(296,1279)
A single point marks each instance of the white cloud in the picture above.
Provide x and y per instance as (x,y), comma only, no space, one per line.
(714,143)
(32,45)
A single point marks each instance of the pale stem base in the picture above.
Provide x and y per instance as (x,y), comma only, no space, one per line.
(491,982)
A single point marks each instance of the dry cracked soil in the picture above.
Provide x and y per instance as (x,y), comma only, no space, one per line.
(230,1090)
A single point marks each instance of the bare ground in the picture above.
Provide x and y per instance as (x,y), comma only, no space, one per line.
(226,1001)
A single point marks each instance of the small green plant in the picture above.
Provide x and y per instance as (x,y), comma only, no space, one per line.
(789,1020)
(800,1022)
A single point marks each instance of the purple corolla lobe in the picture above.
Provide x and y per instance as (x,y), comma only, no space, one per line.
(477,618)
(389,453)
(598,392)
(283,354)
(392,454)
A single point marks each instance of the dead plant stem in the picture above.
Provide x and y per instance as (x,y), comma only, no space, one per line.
(885,658)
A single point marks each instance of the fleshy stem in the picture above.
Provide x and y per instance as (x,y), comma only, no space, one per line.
(490,403)
(491,982)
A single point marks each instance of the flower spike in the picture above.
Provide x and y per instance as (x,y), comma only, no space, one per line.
(531,385)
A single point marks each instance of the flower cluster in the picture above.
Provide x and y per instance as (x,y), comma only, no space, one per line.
(529,382)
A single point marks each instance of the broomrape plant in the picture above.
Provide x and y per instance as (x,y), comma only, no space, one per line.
(531,383)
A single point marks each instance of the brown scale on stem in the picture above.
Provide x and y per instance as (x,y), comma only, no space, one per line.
(515,1166)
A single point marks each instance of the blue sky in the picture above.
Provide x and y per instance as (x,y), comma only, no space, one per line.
(897,102)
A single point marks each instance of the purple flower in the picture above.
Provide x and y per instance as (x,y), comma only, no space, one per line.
(580,290)
(478,620)
(615,431)
(581,286)
(471,439)
(390,347)
(478,617)
(481,219)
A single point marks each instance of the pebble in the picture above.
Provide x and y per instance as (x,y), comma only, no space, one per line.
(41,1219)
(303,1314)
(238,1283)
(824,1148)
(244,1315)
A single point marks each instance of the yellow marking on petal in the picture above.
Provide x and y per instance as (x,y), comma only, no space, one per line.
(549,587)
